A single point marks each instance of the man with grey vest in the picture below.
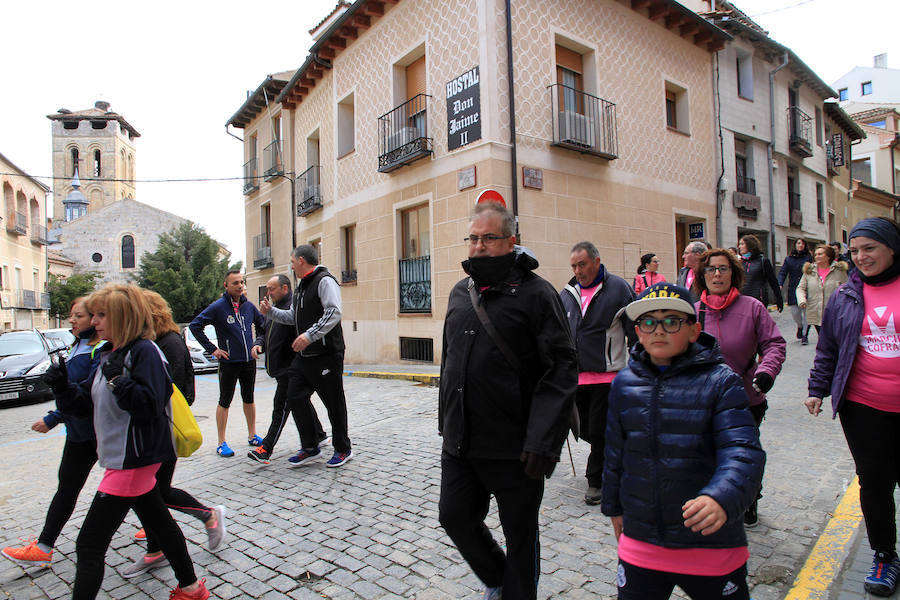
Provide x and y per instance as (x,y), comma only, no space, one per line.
(318,362)
(274,341)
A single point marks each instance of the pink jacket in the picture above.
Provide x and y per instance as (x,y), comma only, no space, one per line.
(743,330)
(645,280)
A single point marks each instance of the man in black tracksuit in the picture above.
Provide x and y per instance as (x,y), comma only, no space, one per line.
(275,342)
(318,363)
(503,407)
(595,302)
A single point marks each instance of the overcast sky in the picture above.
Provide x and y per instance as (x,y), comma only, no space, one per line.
(178,70)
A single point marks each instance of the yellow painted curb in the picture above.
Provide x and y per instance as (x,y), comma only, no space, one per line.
(827,556)
(419,377)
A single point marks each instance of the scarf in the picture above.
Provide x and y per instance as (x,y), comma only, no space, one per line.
(719,301)
(489,270)
(880,230)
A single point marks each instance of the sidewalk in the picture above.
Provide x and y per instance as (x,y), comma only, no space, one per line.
(423,373)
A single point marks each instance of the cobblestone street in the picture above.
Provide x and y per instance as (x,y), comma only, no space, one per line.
(370,529)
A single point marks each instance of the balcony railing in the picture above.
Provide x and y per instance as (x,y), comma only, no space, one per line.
(262,256)
(272,160)
(746,185)
(17,223)
(415,285)
(799,131)
(348,275)
(251,176)
(39,234)
(583,122)
(309,191)
(833,169)
(28,299)
(403,134)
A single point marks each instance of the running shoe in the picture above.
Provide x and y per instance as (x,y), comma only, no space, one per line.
(593,496)
(255,440)
(28,556)
(339,459)
(143,564)
(302,457)
(141,535)
(260,455)
(224,450)
(201,594)
(216,533)
(882,578)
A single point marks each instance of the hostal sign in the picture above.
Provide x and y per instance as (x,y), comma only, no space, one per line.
(463,110)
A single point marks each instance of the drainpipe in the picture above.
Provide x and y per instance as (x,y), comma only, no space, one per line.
(893,146)
(721,192)
(512,120)
(770,150)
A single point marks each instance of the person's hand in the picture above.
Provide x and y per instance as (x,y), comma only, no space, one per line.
(617,526)
(763,382)
(40,426)
(114,365)
(300,344)
(265,306)
(703,514)
(255,351)
(220,354)
(538,466)
(813,405)
(802,305)
(56,376)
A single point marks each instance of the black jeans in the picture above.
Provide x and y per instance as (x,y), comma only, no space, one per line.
(593,402)
(232,372)
(466,489)
(280,413)
(103,519)
(78,458)
(324,376)
(874,439)
(174,499)
(637,583)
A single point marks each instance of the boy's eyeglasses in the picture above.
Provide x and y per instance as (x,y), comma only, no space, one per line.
(488,239)
(669,324)
(720,268)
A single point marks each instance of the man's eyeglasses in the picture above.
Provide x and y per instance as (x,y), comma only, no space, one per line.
(669,324)
(488,239)
(720,268)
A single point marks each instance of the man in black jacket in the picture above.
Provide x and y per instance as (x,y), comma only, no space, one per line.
(275,342)
(503,413)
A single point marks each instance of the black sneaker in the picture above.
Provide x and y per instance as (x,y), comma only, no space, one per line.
(751,517)
(593,496)
(799,332)
(259,454)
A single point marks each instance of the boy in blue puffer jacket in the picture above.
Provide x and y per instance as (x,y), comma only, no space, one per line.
(683,458)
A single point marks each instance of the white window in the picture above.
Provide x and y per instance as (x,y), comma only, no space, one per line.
(346,141)
(745,75)
(677,108)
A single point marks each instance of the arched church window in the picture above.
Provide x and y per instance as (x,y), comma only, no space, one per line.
(96,163)
(127,252)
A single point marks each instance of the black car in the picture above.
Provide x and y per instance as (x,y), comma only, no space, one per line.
(24,356)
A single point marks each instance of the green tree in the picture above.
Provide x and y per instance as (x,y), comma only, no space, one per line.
(186,270)
(63,291)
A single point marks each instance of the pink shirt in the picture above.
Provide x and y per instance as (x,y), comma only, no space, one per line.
(823,272)
(686,561)
(592,377)
(875,377)
(689,279)
(129,482)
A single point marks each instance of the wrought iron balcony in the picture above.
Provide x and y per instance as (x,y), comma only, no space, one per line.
(27,299)
(415,285)
(348,276)
(309,191)
(45,301)
(262,256)
(251,176)
(746,185)
(403,134)
(17,223)
(39,235)
(583,122)
(799,131)
(272,160)
(833,169)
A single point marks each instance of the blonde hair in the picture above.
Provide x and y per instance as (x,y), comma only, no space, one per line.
(163,322)
(128,314)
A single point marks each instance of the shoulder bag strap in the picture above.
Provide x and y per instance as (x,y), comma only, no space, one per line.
(702,316)
(489,327)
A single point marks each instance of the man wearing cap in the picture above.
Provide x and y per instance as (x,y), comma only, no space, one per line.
(594,300)
(508,377)
(690,259)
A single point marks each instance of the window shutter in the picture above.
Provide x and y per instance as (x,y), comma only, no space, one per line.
(415,78)
(569,59)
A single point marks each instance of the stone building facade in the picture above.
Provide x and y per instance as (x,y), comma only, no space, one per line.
(614,143)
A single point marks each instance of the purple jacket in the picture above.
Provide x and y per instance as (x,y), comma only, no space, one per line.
(744,329)
(838,341)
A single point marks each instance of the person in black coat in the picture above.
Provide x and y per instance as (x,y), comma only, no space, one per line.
(792,270)
(758,272)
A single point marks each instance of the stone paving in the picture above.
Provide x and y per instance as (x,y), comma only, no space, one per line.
(370,530)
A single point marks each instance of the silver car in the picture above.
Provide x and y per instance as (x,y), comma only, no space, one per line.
(202,360)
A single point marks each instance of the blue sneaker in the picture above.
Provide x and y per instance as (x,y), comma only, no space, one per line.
(224,450)
(339,458)
(882,578)
(255,440)
(302,457)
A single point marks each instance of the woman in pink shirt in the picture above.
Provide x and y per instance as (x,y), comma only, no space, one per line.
(821,278)
(648,273)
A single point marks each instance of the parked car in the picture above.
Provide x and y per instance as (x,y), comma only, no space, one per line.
(24,356)
(202,360)
(63,336)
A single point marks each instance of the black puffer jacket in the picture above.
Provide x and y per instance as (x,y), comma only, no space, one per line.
(758,275)
(792,270)
(487,409)
(676,435)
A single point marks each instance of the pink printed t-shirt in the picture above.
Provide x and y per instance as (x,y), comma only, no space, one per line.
(686,561)
(875,374)
(129,483)
(592,377)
